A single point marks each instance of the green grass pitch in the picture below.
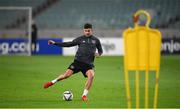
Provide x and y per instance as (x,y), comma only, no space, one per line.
(22,79)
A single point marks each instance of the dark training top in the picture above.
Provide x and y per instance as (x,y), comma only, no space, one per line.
(86,48)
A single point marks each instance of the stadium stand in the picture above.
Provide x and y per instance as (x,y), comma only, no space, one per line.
(103,13)
(106,13)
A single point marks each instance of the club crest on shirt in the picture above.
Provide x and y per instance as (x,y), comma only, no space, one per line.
(83,41)
(93,41)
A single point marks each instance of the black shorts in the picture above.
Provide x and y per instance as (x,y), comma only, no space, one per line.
(78,66)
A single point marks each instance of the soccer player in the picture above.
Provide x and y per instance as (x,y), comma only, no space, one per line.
(84,58)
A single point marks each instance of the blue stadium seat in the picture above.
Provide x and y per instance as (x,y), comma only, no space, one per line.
(102,13)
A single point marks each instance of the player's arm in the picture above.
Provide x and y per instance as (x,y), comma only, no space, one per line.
(62,44)
(99,48)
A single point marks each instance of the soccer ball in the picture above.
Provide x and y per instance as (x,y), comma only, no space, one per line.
(67,96)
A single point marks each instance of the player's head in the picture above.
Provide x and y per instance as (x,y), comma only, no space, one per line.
(88,29)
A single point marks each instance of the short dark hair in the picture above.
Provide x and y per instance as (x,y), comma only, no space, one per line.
(87,25)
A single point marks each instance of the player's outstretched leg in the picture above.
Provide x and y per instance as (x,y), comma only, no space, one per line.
(67,74)
(90,75)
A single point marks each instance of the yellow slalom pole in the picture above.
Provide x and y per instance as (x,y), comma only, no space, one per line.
(137,89)
(146,88)
(156,89)
(137,73)
(127,89)
(147,76)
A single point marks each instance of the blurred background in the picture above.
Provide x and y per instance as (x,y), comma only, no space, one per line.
(63,20)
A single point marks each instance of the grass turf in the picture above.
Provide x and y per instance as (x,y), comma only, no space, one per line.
(22,79)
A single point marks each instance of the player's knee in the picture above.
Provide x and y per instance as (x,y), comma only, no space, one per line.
(90,75)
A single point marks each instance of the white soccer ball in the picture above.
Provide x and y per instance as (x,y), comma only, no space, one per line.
(67,96)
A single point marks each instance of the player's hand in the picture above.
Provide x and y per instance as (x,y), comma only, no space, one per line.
(51,42)
(97,55)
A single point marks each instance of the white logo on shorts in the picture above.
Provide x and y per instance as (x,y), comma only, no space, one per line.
(72,67)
